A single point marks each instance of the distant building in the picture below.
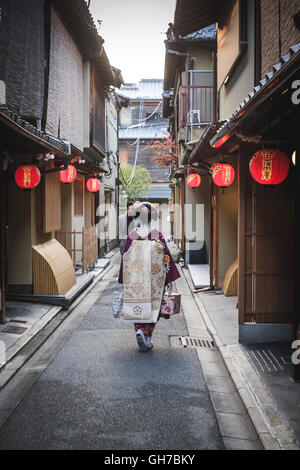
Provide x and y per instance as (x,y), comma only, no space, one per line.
(141,123)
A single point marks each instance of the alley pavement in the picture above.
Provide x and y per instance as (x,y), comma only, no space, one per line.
(77,380)
(89,387)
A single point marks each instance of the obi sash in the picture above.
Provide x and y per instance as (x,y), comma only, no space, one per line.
(144,275)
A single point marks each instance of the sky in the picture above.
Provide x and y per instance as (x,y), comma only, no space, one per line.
(134,34)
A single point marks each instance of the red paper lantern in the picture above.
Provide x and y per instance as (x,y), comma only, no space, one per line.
(27,176)
(269,166)
(68,175)
(222,174)
(193,180)
(93,185)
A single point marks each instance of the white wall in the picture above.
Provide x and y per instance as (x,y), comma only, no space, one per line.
(242,81)
(197,215)
(228,223)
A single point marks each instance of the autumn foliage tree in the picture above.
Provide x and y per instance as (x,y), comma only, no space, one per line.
(166,151)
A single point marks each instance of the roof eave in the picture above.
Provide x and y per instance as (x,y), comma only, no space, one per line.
(193,15)
(267,87)
(43,141)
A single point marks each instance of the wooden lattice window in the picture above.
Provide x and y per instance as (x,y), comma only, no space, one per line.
(78,196)
(48,204)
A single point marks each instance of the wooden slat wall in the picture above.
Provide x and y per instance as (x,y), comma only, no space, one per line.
(266,240)
(53,271)
(52,203)
(97,112)
(89,247)
(182,203)
(78,196)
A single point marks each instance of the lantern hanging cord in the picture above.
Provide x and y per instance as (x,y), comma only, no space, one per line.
(142,121)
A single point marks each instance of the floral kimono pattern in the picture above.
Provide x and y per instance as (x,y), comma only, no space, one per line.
(171,273)
(144,276)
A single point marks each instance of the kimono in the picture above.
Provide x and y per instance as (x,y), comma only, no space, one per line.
(151,278)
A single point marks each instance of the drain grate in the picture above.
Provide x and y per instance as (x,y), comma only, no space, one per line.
(187,341)
(17,321)
(268,360)
(18,330)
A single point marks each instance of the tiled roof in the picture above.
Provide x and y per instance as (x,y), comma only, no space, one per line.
(147,88)
(208,33)
(159,193)
(13,120)
(143,132)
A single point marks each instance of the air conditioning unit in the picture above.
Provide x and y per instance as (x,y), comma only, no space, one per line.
(194,116)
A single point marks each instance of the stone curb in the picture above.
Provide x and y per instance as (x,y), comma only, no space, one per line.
(271,426)
(19,353)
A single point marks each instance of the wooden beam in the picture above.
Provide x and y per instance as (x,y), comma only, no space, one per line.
(241,235)
(211,228)
(295,368)
(215,236)
(3,243)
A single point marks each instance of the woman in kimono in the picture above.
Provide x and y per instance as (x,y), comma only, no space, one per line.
(146,270)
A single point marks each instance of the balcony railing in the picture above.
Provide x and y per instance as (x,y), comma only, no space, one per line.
(195,105)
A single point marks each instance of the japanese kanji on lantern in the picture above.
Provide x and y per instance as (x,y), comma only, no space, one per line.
(222,174)
(269,166)
(27,176)
(193,180)
(93,185)
(68,175)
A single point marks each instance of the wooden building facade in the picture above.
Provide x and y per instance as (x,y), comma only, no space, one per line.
(55,80)
(189,103)
(266,116)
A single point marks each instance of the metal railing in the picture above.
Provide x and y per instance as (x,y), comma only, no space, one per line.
(195,105)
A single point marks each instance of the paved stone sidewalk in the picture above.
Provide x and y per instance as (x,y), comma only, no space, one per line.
(272,426)
(236,428)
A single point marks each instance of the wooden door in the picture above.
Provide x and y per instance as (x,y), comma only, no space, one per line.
(108,199)
(266,242)
(3,245)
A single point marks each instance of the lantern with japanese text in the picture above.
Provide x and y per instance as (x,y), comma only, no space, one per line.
(222,174)
(269,166)
(193,180)
(27,176)
(68,175)
(93,185)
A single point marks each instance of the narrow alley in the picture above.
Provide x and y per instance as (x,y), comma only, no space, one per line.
(149,193)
